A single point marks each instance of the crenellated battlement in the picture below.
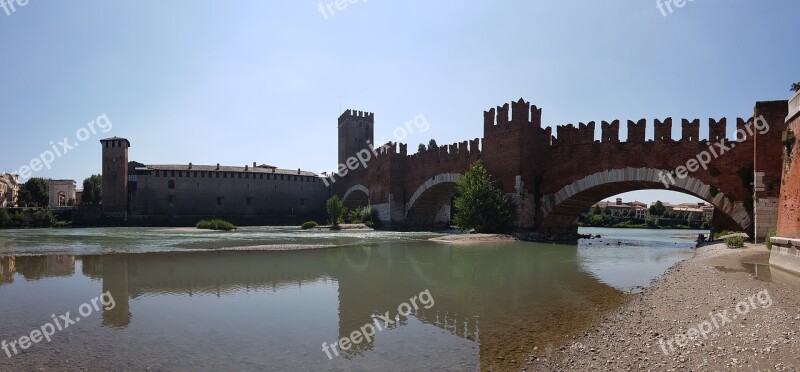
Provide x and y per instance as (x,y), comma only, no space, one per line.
(350,113)
(662,131)
(610,131)
(569,134)
(522,112)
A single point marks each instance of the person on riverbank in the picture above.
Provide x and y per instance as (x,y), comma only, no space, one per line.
(711,233)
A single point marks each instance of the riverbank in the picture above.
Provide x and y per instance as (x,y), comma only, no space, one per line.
(712,281)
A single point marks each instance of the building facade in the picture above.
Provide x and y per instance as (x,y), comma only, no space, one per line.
(9,189)
(192,191)
(62,193)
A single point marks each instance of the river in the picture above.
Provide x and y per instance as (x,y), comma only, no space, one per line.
(255,299)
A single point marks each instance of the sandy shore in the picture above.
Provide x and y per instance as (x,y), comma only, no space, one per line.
(473,238)
(713,281)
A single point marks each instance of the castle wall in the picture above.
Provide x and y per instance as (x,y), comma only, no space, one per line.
(227,194)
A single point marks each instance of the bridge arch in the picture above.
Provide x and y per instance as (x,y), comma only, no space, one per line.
(356,196)
(427,207)
(561,210)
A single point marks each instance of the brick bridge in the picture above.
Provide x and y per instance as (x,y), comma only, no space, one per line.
(554,178)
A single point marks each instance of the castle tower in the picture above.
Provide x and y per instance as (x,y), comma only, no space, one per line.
(356,128)
(115,176)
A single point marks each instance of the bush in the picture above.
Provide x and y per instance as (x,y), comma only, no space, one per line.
(768,240)
(215,224)
(309,225)
(354,216)
(722,233)
(735,241)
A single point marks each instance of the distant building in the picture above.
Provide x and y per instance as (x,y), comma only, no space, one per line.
(62,193)
(620,209)
(9,190)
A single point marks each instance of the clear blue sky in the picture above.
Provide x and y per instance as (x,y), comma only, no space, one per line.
(235,82)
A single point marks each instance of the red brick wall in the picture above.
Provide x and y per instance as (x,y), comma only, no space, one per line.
(789,207)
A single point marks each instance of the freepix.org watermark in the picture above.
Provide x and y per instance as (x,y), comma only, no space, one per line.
(367,331)
(10,6)
(715,150)
(327,8)
(360,159)
(760,300)
(666,5)
(60,323)
(61,148)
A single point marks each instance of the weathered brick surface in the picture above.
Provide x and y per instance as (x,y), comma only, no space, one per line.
(534,166)
(789,207)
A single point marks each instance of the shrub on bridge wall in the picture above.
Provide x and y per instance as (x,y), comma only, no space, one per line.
(480,204)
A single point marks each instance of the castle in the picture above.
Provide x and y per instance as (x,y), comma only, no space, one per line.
(187,192)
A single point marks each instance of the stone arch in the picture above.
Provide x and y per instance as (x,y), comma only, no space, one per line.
(560,210)
(356,196)
(424,207)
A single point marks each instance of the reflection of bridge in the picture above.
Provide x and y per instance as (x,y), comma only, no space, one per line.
(555,178)
(372,280)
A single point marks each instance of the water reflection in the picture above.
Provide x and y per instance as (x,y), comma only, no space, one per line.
(506,297)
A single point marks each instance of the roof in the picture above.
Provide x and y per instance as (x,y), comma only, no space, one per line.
(117,138)
(225,168)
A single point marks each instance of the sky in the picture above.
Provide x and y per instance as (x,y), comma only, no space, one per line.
(236,82)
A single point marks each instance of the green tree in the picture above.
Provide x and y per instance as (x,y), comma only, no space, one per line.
(335,210)
(24,198)
(421,147)
(5,218)
(657,209)
(36,192)
(92,190)
(432,144)
(479,204)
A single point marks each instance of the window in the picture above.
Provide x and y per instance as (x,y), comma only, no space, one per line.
(180,174)
(261,176)
(217,173)
(240,176)
(195,174)
(224,174)
(281,177)
(295,178)
(247,176)
(220,201)
(171,184)
(173,173)
(202,174)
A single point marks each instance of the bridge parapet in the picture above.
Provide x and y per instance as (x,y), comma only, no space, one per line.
(662,131)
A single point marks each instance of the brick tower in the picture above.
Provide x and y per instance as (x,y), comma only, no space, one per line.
(115,176)
(356,128)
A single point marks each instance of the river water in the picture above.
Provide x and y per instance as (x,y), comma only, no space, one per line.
(255,299)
